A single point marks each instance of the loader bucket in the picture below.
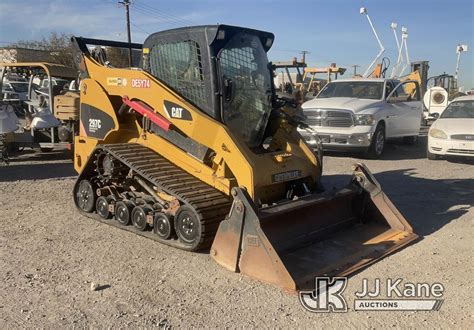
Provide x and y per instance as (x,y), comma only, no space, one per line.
(333,234)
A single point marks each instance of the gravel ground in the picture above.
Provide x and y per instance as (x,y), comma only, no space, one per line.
(50,256)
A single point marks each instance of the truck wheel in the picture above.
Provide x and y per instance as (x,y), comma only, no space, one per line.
(431,156)
(378,143)
(410,140)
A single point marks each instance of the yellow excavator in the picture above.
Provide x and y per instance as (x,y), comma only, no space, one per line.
(191,147)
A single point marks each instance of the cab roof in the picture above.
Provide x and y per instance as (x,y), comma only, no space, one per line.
(52,69)
(212,34)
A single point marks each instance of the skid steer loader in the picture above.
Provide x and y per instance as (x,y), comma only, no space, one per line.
(191,147)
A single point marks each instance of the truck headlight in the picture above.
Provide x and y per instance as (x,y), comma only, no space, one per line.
(437,133)
(364,120)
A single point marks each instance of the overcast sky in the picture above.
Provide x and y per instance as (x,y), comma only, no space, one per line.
(331,30)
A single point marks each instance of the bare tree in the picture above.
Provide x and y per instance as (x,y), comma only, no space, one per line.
(58,44)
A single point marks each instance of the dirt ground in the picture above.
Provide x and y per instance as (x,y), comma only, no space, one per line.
(50,255)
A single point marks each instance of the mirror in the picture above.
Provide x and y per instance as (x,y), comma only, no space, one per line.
(435,115)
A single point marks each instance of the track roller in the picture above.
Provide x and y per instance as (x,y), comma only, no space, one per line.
(103,206)
(163,225)
(123,210)
(139,214)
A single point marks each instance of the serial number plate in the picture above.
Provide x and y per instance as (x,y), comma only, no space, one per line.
(286,176)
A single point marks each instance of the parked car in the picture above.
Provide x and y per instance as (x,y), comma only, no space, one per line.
(452,134)
(361,114)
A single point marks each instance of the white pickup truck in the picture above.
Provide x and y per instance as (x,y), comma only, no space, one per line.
(361,114)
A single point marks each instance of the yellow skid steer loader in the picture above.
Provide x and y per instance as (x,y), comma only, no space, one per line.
(190,146)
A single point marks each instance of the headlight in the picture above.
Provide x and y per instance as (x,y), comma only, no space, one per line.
(364,120)
(437,133)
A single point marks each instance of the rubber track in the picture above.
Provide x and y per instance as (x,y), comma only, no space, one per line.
(210,204)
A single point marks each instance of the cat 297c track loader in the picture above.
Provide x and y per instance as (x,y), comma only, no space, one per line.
(192,148)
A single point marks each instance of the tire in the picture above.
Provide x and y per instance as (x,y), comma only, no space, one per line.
(432,156)
(377,146)
(410,140)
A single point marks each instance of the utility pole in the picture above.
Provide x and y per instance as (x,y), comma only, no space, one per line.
(126,4)
(304,52)
(355,66)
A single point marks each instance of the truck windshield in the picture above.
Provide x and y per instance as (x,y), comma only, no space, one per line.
(372,90)
(246,87)
(459,109)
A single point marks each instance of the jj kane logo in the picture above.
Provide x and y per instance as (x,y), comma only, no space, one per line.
(326,297)
(400,296)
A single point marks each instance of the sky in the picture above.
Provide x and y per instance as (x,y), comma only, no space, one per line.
(332,31)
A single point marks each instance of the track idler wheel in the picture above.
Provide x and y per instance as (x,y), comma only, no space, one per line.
(163,225)
(188,226)
(139,214)
(85,196)
(123,210)
(102,207)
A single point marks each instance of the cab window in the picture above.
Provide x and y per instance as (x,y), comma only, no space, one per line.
(405,92)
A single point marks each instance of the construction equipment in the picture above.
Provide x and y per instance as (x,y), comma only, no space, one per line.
(286,83)
(311,84)
(194,149)
(363,11)
(308,82)
(440,91)
(49,111)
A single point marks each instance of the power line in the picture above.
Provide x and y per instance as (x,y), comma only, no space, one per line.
(141,29)
(159,18)
(160,13)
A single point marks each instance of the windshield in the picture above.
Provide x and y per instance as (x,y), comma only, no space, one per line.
(459,109)
(20,87)
(246,84)
(354,89)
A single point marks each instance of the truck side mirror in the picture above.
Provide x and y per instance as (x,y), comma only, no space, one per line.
(435,115)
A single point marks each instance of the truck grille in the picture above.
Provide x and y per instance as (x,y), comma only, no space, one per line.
(461,151)
(329,118)
(468,137)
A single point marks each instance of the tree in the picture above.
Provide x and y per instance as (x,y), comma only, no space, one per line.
(58,44)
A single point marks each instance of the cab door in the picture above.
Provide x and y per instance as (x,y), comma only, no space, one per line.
(391,113)
(406,106)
